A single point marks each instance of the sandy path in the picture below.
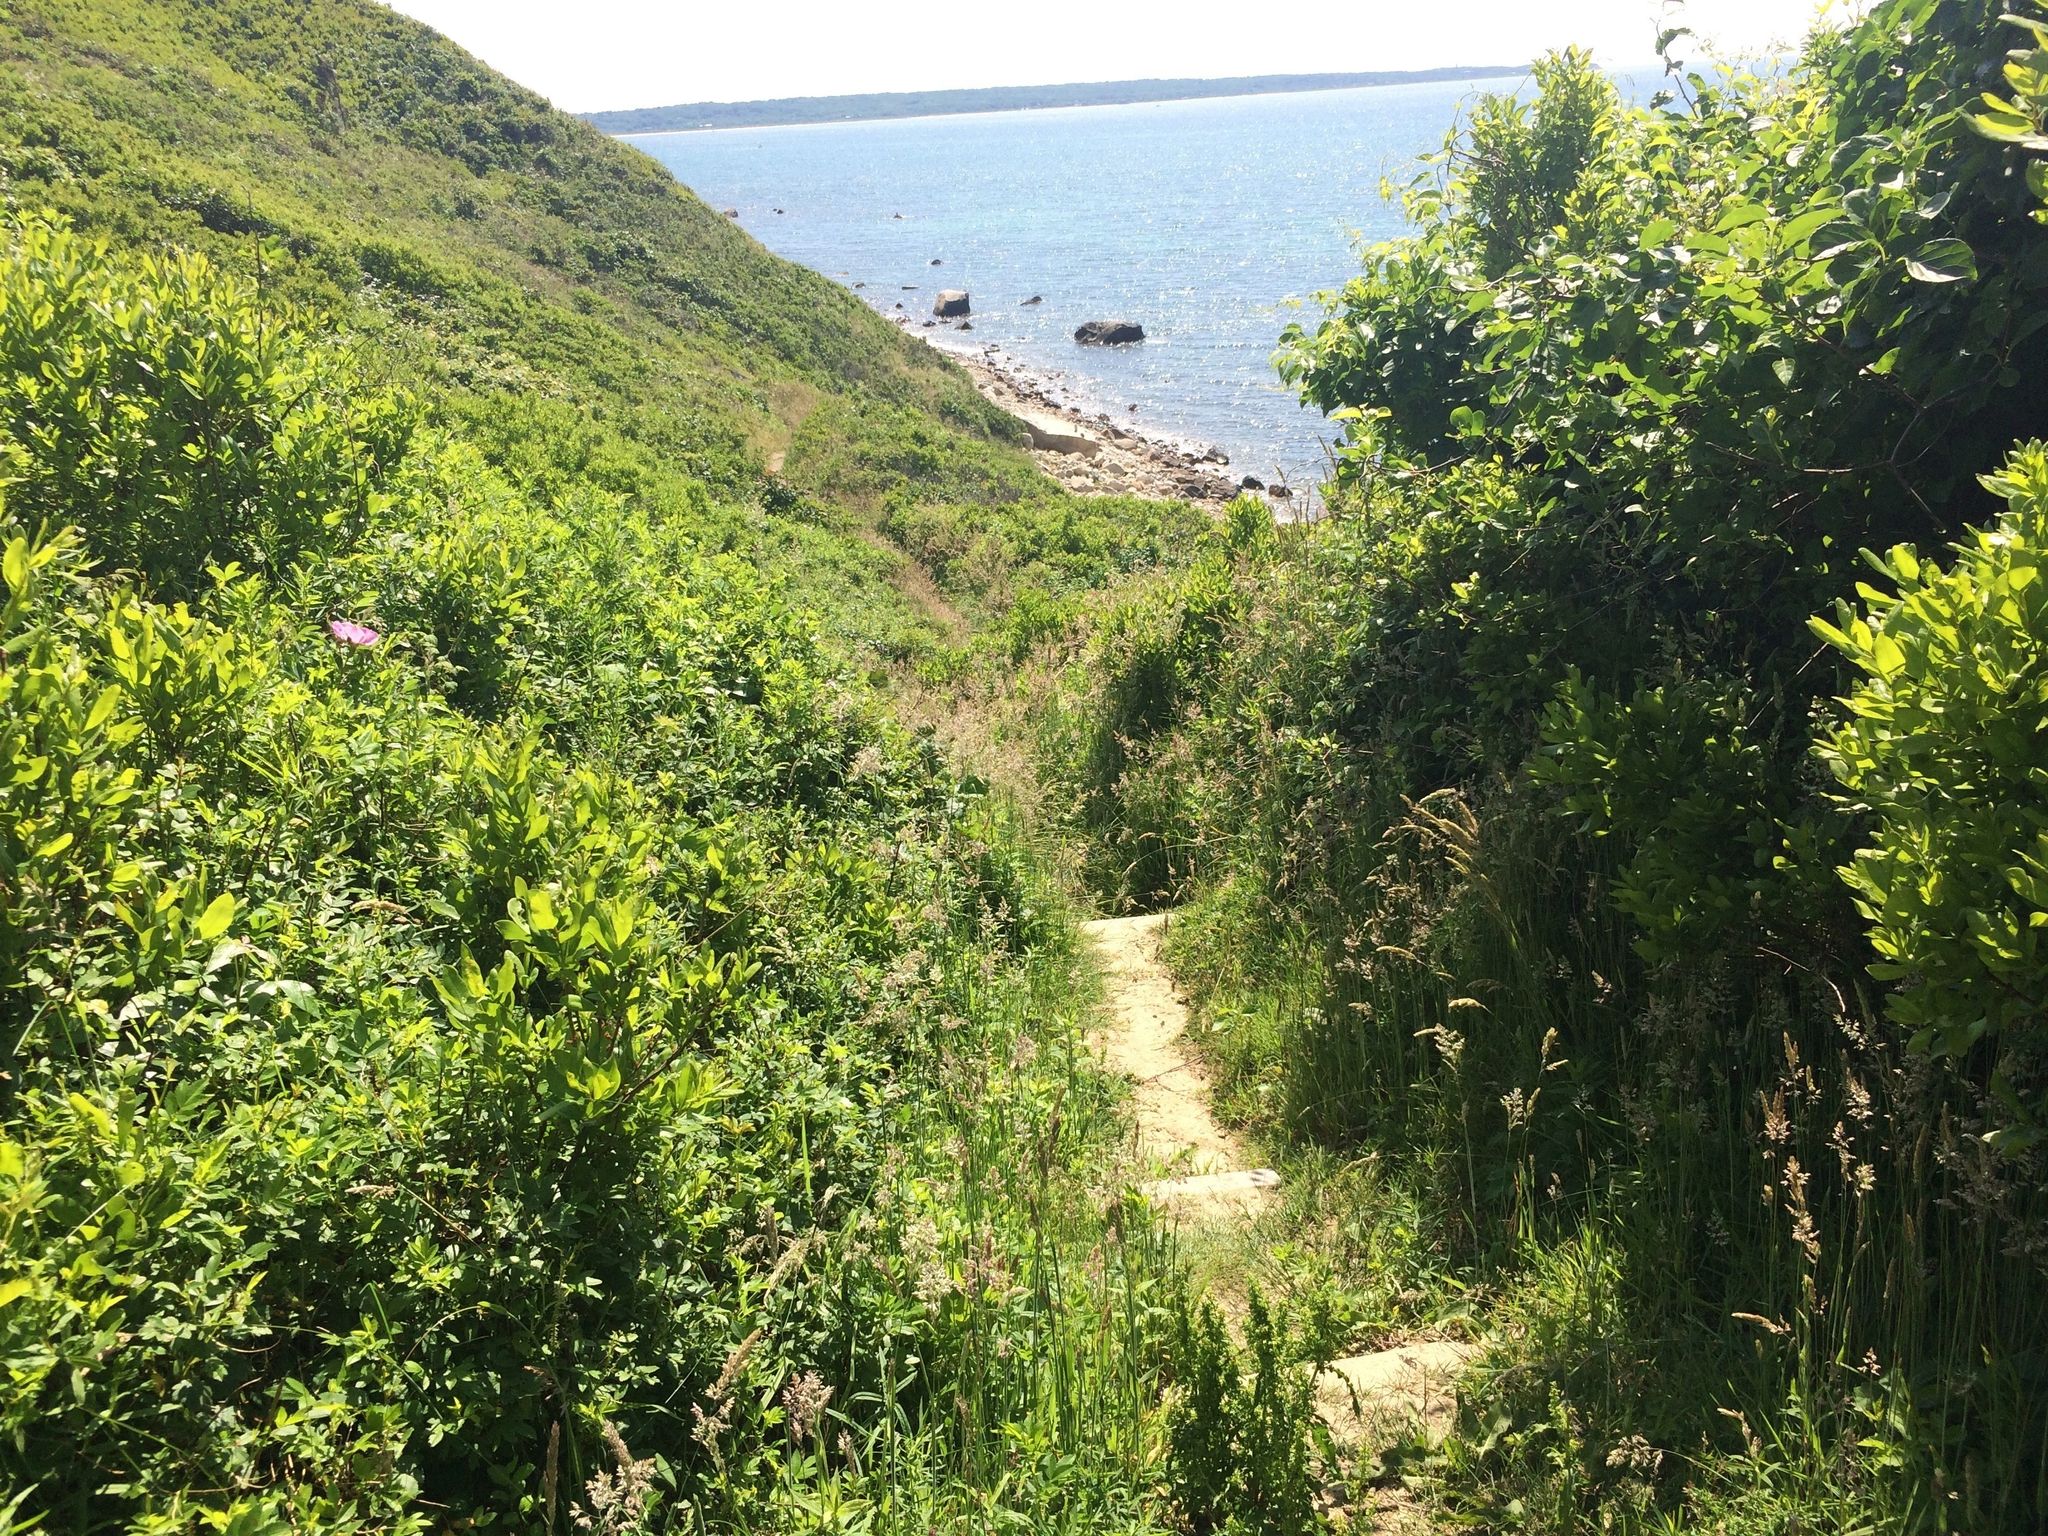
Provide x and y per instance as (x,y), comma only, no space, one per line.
(1200,1170)
(1211,1177)
(1175,1128)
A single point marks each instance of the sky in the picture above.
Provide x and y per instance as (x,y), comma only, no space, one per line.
(588,55)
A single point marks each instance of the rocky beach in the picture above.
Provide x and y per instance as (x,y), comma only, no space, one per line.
(1090,451)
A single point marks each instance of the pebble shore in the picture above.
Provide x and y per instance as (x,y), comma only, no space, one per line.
(1092,453)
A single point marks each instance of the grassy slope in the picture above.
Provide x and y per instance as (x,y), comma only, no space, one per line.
(365,139)
(493,248)
(627,363)
(561,300)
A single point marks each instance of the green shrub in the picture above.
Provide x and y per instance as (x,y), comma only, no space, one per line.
(173,419)
(1943,753)
(1542,170)
(1238,1448)
(481,1005)
(1666,771)
(1151,657)
(1517,864)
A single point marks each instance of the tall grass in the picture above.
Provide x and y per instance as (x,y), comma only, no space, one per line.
(1737,1253)
(1021,1387)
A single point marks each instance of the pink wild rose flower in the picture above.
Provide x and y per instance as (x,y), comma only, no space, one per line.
(360,635)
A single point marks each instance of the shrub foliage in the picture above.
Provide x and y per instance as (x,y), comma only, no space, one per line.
(1524,844)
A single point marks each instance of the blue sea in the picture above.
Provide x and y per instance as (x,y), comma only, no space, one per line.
(1211,223)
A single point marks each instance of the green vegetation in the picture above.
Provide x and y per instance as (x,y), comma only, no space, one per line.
(506,1028)
(554,1050)
(550,295)
(502,1027)
(1000,98)
(1686,1017)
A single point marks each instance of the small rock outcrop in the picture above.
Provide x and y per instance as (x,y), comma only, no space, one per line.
(937,261)
(951,304)
(964,325)
(1109,333)
(1034,299)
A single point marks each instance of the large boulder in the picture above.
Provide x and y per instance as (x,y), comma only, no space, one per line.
(1109,333)
(951,303)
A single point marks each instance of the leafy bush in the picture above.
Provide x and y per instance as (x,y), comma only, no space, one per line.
(1517,873)
(1541,170)
(1942,753)
(175,421)
(1238,1450)
(482,1001)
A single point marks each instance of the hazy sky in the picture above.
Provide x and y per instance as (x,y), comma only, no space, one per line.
(591,54)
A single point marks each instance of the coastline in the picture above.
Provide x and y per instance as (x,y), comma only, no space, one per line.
(1091,452)
(900,106)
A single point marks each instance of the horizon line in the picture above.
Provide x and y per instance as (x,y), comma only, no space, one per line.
(1273,84)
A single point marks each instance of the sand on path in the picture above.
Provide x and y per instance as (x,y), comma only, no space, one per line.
(1202,1172)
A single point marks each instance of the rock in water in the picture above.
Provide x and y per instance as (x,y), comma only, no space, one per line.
(1109,333)
(952,302)
(1034,299)
(937,261)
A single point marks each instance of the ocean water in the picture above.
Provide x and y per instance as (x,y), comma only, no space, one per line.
(1211,223)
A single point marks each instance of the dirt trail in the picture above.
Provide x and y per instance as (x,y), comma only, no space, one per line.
(1202,1173)
(1175,1127)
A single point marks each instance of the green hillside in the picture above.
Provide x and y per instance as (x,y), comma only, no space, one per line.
(503,1028)
(558,296)
(413,189)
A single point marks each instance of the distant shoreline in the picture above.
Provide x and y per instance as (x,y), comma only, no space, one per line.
(698,117)
(1093,453)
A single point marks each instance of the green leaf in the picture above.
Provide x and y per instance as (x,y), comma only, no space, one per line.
(1829,633)
(213,922)
(1797,231)
(1943,261)
(540,911)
